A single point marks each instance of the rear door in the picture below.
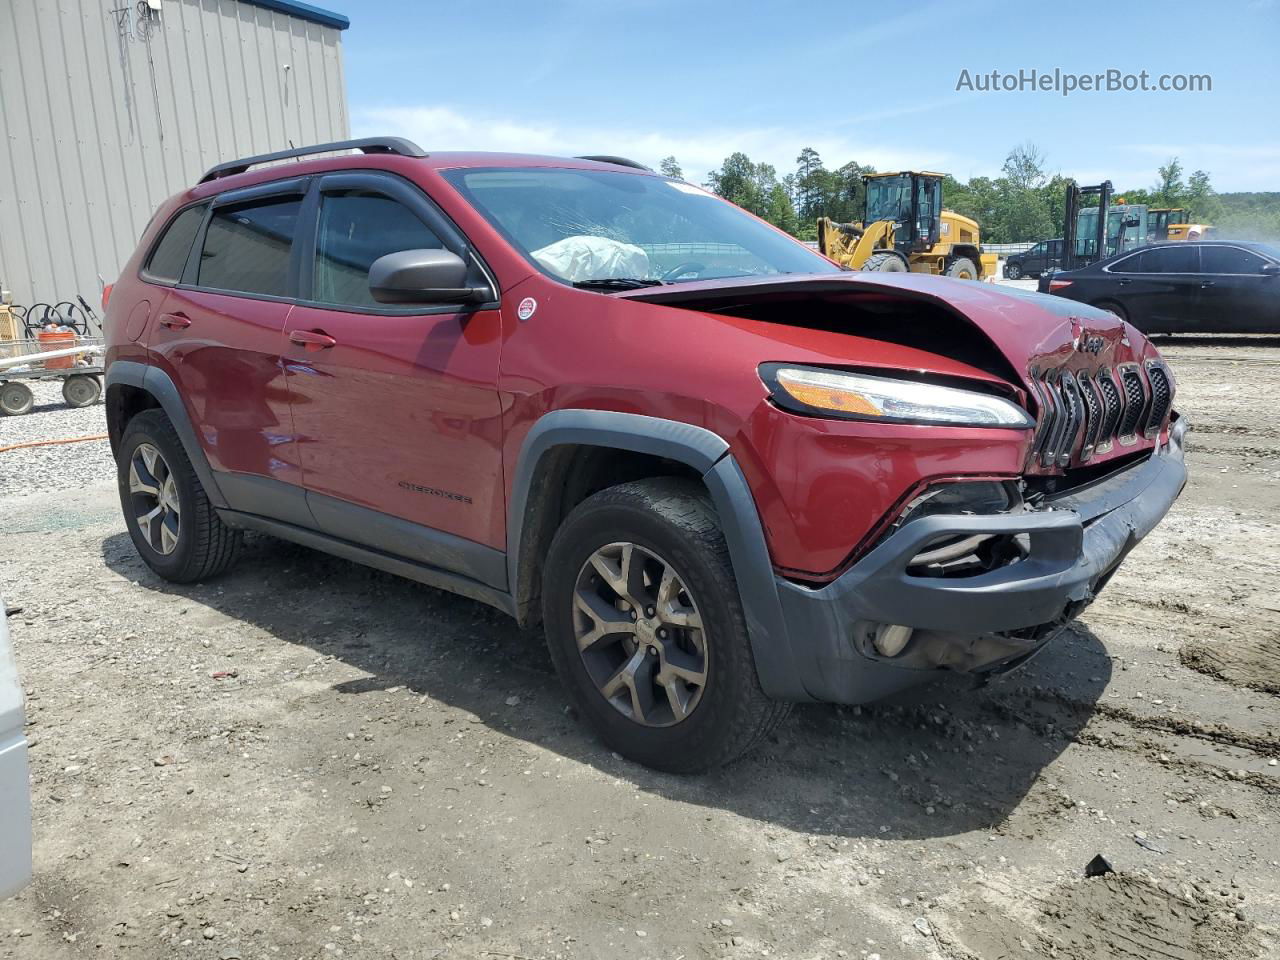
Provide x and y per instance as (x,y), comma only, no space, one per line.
(220,333)
(396,408)
(1159,287)
(1235,295)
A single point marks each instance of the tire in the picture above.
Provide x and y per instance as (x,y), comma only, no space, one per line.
(1114,307)
(16,399)
(962,268)
(197,544)
(81,390)
(669,526)
(885,263)
(1012,271)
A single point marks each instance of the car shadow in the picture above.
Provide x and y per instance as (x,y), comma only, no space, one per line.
(898,769)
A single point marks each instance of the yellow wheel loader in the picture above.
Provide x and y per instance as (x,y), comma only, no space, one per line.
(904,228)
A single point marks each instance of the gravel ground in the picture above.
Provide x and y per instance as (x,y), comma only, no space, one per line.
(309,759)
(60,468)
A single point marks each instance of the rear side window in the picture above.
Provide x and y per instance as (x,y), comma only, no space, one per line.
(169,257)
(356,228)
(1183,259)
(247,247)
(1133,264)
(1229,260)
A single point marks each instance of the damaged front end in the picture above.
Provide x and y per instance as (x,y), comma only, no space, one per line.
(974,592)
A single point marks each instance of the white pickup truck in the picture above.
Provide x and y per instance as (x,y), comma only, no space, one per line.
(15,783)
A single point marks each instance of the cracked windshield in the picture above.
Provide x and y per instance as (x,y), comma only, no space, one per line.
(596,228)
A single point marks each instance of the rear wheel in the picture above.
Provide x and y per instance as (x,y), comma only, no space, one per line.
(16,399)
(81,390)
(962,268)
(886,262)
(1012,271)
(1114,307)
(646,629)
(173,526)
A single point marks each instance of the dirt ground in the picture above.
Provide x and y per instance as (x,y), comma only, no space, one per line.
(310,759)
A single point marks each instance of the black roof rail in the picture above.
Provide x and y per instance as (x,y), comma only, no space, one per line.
(397,145)
(617,161)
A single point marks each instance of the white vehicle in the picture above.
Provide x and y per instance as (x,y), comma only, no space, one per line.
(15,784)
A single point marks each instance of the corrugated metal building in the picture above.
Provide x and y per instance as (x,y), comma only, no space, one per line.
(109,106)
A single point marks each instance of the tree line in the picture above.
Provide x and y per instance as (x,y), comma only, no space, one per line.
(1025,203)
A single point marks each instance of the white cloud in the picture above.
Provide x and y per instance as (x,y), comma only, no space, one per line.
(1230,166)
(446,128)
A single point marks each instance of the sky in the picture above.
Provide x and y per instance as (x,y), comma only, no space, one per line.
(875,83)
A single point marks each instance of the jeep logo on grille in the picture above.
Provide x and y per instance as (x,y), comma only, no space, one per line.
(1091,343)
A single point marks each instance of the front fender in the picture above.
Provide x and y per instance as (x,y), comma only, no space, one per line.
(708,454)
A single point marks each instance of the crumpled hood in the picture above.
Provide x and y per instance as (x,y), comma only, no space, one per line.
(1029,329)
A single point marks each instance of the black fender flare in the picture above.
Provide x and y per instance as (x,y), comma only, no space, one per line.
(709,455)
(156,382)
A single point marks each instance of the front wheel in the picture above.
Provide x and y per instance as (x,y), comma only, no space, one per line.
(887,262)
(646,629)
(1012,271)
(16,399)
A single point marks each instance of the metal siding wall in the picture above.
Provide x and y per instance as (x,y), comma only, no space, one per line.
(93,143)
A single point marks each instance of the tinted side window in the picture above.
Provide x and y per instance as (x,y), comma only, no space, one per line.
(1229,260)
(246,248)
(356,228)
(1134,264)
(170,255)
(1183,259)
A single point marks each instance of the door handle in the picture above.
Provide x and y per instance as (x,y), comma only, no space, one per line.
(174,321)
(1204,284)
(313,339)
(1124,281)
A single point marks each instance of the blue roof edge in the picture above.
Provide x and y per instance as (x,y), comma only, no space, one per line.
(304,11)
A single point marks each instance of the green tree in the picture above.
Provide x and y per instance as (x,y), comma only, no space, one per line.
(670,167)
(736,182)
(1169,188)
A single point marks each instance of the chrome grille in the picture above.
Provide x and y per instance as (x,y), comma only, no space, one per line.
(1086,413)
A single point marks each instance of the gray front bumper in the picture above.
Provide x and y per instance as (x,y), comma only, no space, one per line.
(1076,542)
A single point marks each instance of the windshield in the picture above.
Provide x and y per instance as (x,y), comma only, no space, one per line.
(587,226)
(888,198)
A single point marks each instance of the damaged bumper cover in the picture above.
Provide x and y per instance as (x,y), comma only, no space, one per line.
(978,623)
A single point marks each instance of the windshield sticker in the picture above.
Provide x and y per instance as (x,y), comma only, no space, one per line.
(527,306)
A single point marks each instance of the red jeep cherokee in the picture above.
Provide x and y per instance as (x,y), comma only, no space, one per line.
(723,473)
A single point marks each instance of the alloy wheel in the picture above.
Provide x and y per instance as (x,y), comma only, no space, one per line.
(640,634)
(154,494)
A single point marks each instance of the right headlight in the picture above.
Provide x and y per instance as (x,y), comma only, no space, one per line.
(861,396)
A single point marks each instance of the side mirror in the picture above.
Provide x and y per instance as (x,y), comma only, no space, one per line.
(1271,269)
(422,276)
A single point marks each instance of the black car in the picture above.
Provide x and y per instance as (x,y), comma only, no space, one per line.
(1214,287)
(1045,255)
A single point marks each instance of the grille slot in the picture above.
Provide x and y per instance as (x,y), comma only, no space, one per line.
(1135,398)
(1073,407)
(1161,398)
(1112,406)
(1092,416)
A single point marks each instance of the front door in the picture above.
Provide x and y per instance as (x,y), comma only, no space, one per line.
(1235,295)
(396,408)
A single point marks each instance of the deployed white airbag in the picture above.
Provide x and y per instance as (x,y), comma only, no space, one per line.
(583,257)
